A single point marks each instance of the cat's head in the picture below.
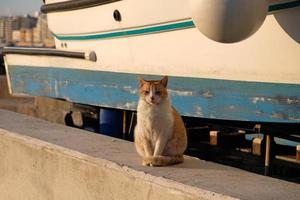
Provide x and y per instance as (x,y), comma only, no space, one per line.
(154,92)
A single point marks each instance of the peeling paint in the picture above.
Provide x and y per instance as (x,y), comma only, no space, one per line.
(180,92)
(293,118)
(198,111)
(232,107)
(256,100)
(293,101)
(130,89)
(279,116)
(276,100)
(89,85)
(56,88)
(207,94)
(109,86)
(209,98)
(286,100)
(128,105)
(258,112)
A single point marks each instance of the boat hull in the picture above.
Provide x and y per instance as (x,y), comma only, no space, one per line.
(66,78)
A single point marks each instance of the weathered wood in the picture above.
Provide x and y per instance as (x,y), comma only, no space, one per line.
(257,146)
(298,153)
(213,136)
(124,122)
(77,118)
(288,158)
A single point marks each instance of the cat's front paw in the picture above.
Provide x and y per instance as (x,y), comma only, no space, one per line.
(145,162)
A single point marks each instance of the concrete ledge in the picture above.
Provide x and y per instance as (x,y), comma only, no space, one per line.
(40,160)
(32,169)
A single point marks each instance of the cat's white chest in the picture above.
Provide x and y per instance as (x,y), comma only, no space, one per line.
(155,122)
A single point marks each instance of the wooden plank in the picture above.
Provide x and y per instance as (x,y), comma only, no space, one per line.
(257,146)
(298,153)
(288,158)
(213,135)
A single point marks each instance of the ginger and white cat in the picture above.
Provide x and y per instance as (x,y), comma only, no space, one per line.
(160,134)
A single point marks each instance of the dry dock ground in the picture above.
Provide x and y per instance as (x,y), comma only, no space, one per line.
(43,160)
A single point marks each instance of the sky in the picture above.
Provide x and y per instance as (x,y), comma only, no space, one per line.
(19,7)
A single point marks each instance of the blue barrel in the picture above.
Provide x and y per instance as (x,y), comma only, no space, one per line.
(111,122)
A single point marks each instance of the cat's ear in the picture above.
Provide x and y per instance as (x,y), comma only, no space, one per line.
(142,82)
(164,81)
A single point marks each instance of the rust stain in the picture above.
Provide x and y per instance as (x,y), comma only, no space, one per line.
(279,116)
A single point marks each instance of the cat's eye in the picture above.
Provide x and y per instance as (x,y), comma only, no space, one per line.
(146,92)
(157,92)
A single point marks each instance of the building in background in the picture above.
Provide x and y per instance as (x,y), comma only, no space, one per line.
(41,34)
(25,37)
(25,31)
(8,28)
(2,30)
(16,35)
(27,22)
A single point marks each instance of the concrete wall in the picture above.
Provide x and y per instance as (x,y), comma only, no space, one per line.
(43,160)
(32,169)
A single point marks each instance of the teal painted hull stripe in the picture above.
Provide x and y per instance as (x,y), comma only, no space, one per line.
(198,97)
(159,28)
(155,29)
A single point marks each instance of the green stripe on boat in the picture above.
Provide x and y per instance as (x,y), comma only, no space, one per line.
(147,30)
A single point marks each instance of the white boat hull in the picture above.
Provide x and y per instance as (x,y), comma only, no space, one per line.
(270,55)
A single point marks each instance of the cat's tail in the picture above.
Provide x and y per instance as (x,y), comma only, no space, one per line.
(163,160)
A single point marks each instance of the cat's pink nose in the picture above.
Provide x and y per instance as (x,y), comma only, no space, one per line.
(152,98)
